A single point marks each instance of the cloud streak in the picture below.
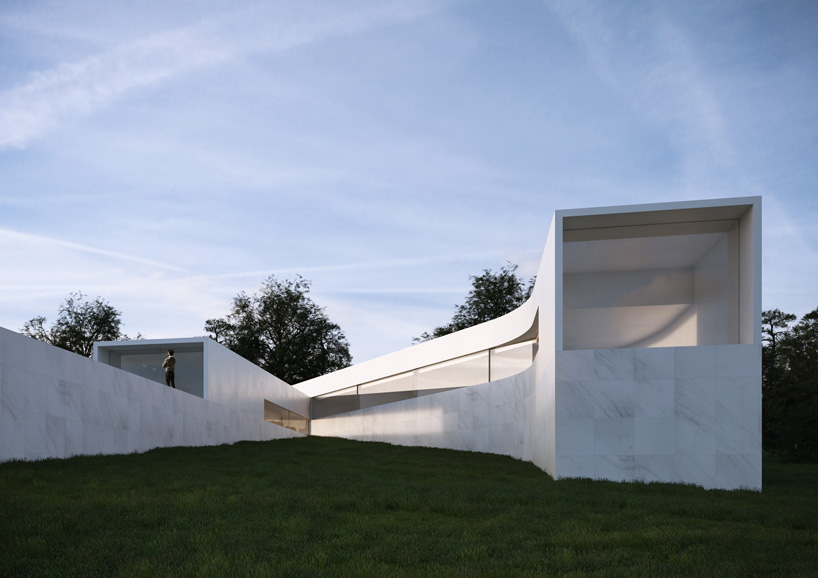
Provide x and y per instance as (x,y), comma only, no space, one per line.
(9,237)
(412,262)
(51,97)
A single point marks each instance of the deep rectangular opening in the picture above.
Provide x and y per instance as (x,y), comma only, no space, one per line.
(146,361)
(635,281)
(285,418)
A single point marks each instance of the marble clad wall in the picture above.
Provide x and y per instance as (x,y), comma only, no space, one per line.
(676,414)
(233,381)
(54,403)
(491,417)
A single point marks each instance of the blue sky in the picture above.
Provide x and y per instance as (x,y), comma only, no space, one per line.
(167,155)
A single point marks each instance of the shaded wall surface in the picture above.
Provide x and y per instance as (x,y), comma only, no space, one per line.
(54,403)
(189,368)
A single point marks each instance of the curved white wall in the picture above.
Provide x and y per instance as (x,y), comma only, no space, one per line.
(648,365)
(495,333)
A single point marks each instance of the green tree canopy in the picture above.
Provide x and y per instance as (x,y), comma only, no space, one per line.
(790,385)
(283,331)
(79,324)
(775,327)
(492,295)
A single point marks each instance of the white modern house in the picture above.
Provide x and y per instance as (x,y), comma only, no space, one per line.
(638,357)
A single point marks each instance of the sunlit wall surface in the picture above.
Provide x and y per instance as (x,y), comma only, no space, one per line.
(466,371)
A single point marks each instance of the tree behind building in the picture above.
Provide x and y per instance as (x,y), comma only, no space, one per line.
(79,324)
(790,385)
(492,295)
(283,331)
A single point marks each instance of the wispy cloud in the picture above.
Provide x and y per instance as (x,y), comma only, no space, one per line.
(9,238)
(73,89)
(412,262)
(683,95)
(652,63)
(77,88)
(399,291)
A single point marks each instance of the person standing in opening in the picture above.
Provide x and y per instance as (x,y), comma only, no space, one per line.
(170,365)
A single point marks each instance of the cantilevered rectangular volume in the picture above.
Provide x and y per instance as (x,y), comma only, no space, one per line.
(655,278)
(658,345)
(638,357)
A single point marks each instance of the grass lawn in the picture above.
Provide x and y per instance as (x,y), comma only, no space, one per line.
(332,507)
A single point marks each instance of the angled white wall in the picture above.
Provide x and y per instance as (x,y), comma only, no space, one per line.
(492,417)
(210,371)
(235,382)
(54,403)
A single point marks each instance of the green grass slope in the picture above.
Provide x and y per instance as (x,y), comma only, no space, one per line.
(332,507)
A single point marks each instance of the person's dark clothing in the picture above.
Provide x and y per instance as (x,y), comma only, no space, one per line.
(170,375)
(170,379)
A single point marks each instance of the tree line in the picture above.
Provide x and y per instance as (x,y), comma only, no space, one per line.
(280,329)
(790,384)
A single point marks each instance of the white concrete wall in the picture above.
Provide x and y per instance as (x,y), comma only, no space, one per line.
(676,414)
(495,333)
(710,290)
(54,403)
(235,382)
(491,417)
(750,275)
(548,293)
